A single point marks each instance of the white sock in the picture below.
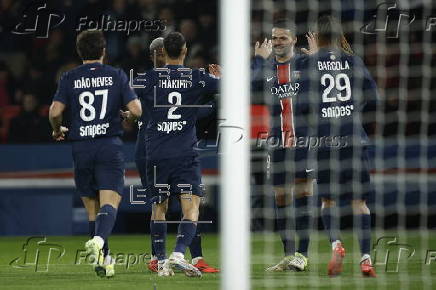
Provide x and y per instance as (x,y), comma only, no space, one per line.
(178,255)
(196,259)
(99,240)
(335,243)
(366,257)
(153,258)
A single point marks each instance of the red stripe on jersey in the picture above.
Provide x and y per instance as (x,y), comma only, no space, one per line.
(283,73)
(287,115)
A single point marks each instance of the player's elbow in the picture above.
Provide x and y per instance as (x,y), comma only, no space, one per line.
(56,110)
(135,108)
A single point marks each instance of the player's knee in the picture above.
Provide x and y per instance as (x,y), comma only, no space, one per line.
(158,214)
(109,197)
(191,214)
(159,210)
(327,203)
(359,207)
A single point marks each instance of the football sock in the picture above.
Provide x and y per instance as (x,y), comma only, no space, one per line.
(285,226)
(185,235)
(153,252)
(195,247)
(303,222)
(331,224)
(91,232)
(105,221)
(91,228)
(364,233)
(158,239)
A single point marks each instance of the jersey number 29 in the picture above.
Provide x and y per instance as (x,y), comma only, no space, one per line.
(341,82)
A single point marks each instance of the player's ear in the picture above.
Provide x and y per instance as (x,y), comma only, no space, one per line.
(103,55)
(184,51)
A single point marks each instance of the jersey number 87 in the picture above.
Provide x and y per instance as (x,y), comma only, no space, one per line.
(86,99)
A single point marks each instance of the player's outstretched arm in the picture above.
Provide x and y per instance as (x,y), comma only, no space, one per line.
(313,44)
(55,118)
(135,109)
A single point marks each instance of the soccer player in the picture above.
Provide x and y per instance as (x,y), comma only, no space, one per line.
(91,96)
(335,89)
(290,178)
(171,97)
(158,58)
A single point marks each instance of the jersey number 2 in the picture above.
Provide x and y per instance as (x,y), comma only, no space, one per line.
(177,102)
(86,99)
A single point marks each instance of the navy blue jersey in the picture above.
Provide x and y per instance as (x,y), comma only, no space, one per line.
(334,88)
(94,94)
(140,152)
(171,97)
(282,83)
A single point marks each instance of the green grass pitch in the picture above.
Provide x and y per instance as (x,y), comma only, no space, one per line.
(63,273)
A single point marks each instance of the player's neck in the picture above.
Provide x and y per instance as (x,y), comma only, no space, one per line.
(173,61)
(100,61)
(285,58)
(327,45)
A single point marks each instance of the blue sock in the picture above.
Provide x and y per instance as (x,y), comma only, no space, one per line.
(364,233)
(195,247)
(91,228)
(105,221)
(91,232)
(185,235)
(158,239)
(153,252)
(105,248)
(331,224)
(285,226)
(303,222)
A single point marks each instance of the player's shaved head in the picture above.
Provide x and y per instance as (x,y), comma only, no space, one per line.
(156,45)
(174,44)
(156,52)
(90,44)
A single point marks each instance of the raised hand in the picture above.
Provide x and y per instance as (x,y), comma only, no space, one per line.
(313,44)
(215,70)
(264,50)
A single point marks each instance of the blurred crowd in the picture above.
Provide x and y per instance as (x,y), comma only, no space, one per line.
(30,67)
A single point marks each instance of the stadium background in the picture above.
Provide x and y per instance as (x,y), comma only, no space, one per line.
(33,166)
(36,187)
